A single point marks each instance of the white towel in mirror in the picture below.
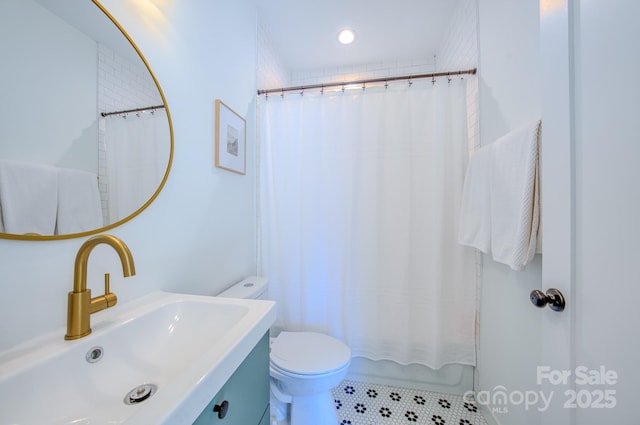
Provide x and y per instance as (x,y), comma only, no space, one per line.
(79,208)
(28,196)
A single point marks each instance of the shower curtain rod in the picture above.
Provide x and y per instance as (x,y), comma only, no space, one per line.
(128,111)
(369,81)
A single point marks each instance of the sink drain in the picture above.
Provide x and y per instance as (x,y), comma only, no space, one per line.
(94,354)
(140,393)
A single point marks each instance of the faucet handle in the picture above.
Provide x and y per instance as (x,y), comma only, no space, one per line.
(109,299)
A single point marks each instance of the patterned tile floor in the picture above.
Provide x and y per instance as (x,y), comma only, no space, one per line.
(371,404)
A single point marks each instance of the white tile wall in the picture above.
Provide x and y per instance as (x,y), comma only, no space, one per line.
(459,47)
(122,84)
(271,72)
(459,50)
(371,70)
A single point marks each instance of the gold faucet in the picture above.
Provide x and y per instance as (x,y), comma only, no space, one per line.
(81,305)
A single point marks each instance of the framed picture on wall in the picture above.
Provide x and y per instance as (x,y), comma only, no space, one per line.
(231,140)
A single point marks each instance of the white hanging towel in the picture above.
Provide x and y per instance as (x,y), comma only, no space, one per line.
(28,197)
(79,207)
(501,205)
(515,203)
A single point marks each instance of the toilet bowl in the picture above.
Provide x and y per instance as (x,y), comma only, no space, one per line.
(304,368)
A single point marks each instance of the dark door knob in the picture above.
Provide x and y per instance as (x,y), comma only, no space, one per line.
(553,298)
(221,409)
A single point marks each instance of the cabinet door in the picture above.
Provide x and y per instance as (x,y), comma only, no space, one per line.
(246,392)
(266,417)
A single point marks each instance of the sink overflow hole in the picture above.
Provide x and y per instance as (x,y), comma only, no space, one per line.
(140,393)
(94,354)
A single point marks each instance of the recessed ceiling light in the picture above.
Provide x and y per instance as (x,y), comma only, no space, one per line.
(346,36)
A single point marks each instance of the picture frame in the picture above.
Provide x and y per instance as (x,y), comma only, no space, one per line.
(230,139)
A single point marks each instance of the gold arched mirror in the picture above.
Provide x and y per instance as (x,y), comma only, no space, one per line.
(86,141)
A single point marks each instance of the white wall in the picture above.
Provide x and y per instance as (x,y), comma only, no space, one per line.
(509,346)
(199,234)
(57,85)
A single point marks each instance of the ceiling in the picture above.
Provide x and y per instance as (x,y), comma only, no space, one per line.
(88,19)
(304,33)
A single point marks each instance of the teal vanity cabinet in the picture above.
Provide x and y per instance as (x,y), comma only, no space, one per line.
(244,399)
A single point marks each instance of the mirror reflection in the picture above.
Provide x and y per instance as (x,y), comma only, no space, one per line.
(85,140)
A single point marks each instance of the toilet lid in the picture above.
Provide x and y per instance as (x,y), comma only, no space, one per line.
(308,353)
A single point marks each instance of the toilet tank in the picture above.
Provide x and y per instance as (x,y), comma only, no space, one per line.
(252,287)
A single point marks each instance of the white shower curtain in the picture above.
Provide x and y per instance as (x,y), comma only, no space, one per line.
(359,199)
(137,154)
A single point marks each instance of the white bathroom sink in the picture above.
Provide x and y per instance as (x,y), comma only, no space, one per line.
(185,345)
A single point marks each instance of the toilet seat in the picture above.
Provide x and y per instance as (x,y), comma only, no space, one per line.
(308,353)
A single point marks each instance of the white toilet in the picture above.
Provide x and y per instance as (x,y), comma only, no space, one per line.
(305,367)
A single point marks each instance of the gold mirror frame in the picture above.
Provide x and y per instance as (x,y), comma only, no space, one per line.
(32,237)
